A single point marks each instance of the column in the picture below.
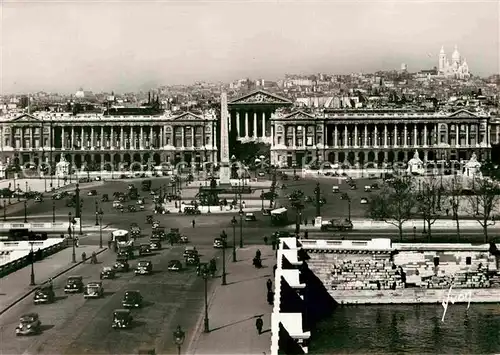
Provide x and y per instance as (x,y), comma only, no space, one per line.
(366,136)
(436,135)
(63,138)
(92,137)
(405,144)
(112,137)
(395,135)
(246,124)
(385,136)
(151,137)
(304,137)
(263,124)
(415,135)
(161,137)
(467,135)
(294,138)
(192,137)
(273,142)
(122,138)
(141,138)
(345,136)
(335,137)
(183,142)
(497,134)
(32,137)
(238,128)
(375,137)
(102,138)
(72,137)
(255,125)
(425,135)
(356,135)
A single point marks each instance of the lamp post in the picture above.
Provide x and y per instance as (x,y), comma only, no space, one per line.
(25,211)
(26,189)
(223,236)
(32,278)
(72,237)
(96,212)
(53,211)
(234,222)
(18,193)
(241,227)
(262,200)
(179,336)
(101,213)
(205,273)
(180,200)
(4,211)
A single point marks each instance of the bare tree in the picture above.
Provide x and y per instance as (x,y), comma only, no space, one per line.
(454,189)
(483,202)
(394,204)
(426,202)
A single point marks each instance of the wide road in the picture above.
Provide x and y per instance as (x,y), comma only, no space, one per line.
(74,325)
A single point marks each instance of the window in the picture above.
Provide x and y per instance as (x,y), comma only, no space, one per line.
(309,141)
(468,260)
(7,142)
(167,140)
(207,140)
(279,140)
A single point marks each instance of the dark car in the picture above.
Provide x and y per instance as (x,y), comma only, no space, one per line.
(155,243)
(105,198)
(132,299)
(144,249)
(121,264)
(45,294)
(126,252)
(131,208)
(107,273)
(144,267)
(191,210)
(74,285)
(135,230)
(149,219)
(174,265)
(92,193)
(122,318)
(29,324)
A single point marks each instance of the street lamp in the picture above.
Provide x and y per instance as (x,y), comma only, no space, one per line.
(101,213)
(53,211)
(32,257)
(18,193)
(204,274)
(179,337)
(25,211)
(262,200)
(223,236)
(96,213)
(4,211)
(234,222)
(241,227)
(72,237)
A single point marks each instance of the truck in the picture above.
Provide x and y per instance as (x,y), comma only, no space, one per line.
(337,225)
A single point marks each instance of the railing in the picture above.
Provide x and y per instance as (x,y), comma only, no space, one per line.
(23,261)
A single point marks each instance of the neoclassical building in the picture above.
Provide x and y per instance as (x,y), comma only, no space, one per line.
(96,139)
(378,136)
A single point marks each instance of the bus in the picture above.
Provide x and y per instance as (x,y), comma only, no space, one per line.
(122,238)
(279,216)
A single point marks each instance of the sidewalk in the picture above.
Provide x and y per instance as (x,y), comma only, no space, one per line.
(16,285)
(234,308)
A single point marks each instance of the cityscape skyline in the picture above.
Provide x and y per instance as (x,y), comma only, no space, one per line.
(124,46)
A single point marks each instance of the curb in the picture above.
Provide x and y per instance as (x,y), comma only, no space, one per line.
(54,277)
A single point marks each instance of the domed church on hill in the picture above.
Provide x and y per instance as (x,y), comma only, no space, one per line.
(457,68)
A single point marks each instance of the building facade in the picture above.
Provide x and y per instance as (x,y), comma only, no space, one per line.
(376,136)
(108,141)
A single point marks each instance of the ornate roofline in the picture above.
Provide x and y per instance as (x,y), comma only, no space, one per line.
(279,99)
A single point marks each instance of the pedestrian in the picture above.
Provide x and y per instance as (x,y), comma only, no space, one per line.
(84,257)
(265,240)
(193,223)
(77,242)
(273,243)
(274,269)
(312,221)
(269,285)
(259,323)
(270,298)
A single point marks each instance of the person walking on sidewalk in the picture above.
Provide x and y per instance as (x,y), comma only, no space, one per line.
(259,323)
(84,257)
(269,285)
(270,297)
(193,223)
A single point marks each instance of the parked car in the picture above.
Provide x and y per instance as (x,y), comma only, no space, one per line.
(155,244)
(93,290)
(107,273)
(122,318)
(121,264)
(74,284)
(132,299)
(337,225)
(219,243)
(45,294)
(29,324)
(144,267)
(144,249)
(174,265)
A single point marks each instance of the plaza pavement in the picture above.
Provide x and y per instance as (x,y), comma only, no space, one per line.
(16,285)
(234,308)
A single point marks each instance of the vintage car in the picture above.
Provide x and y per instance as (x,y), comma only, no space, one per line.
(144,249)
(335,189)
(219,243)
(155,244)
(105,198)
(184,240)
(364,201)
(131,208)
(121,264)
(93,290)
(191,210)
(174,265)
(190,250)
(57,196)
(45,294)
(340,225)
(155,224)
(160,233)
(149,219)
(74,284)
(250,217)
(29,324)
(192,259)
(368,188)
(38,199)
(266,212)
(122,318)
(107,272)
(144,267)
(135,230)
(92,193)
(126,251)
(132,299)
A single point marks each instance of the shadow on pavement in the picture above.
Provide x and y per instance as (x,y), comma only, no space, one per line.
(237,322)
(46,327)
(60,298)
(266,331)
(254,278)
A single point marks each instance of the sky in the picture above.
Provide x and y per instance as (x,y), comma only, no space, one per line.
(61,46)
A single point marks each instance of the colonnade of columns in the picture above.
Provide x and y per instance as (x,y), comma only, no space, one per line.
(253,124)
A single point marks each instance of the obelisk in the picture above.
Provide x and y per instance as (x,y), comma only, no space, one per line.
(225,171)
